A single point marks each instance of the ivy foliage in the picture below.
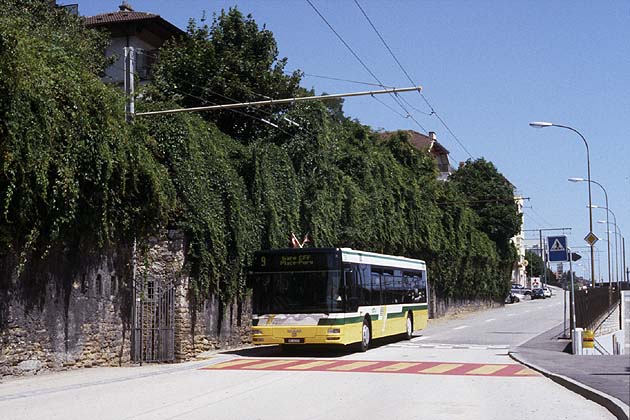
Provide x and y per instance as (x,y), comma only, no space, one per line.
(72,171)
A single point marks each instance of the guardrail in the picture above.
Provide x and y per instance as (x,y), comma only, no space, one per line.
(593,306)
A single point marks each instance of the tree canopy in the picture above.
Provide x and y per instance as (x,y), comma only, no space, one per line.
(232,60)
(73,172)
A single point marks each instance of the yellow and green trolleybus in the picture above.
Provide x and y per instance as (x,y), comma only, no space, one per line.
(335,296)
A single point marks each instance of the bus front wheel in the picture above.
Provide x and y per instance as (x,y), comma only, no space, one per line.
(366,335)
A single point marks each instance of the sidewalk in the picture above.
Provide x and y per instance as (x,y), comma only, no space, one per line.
(602,379)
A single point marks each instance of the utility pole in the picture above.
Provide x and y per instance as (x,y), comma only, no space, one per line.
(130,68)
(544,258)
(130,109)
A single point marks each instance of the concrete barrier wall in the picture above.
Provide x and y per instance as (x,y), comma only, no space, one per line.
(625,319)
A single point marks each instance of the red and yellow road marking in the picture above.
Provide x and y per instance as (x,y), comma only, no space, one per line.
(370,366)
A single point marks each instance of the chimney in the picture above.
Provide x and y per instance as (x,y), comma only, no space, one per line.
(125,7)
(432,135)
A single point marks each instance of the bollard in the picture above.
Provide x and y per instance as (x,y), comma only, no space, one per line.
(577,341)
(588,342)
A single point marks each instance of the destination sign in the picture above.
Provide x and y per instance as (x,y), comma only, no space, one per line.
(295,261)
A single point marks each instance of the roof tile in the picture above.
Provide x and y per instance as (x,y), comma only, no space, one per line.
(118,17)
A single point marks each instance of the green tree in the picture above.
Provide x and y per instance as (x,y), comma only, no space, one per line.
(230,60)
(491,195)
(535,264)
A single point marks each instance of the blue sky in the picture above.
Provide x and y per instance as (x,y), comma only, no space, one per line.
(488,68)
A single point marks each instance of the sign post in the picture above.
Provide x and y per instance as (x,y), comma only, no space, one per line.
(559,252)
(572,298)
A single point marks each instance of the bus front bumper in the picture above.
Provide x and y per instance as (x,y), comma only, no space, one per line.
(296,335)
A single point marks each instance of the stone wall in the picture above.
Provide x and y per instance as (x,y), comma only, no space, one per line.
(444,307)
(208,325)
(200,324)
(440,307)
(67,314)
(68,321)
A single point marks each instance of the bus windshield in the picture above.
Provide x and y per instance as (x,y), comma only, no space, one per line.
(297,292)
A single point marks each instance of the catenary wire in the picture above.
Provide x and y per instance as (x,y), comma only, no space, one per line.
(206,89)
(229,109)
(433,112)
(364,65)
(346,80)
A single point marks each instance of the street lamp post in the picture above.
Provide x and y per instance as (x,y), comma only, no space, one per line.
(616,242)
(541,124)
(607,224)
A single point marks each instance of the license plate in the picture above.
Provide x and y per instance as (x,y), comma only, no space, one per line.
(293,340)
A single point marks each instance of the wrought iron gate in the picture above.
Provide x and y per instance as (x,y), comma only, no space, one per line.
(153,332)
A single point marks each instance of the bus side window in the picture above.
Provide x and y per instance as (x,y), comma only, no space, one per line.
(365,286)
(388,288)
(376,288)
(413,290)
(351,290)
(398,289)
(423,287)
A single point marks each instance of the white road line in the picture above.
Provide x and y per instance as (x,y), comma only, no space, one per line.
(461,327)
(511,314)
(491,319)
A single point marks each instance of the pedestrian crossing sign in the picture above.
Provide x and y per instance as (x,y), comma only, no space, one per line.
(557,249)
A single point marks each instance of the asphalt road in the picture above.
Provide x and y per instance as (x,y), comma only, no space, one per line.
(455,369)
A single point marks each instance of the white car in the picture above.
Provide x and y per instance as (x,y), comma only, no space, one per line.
(546,292)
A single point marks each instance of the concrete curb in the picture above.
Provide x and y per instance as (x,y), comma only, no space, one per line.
(617,407)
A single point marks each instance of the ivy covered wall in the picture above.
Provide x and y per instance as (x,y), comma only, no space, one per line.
(74,175)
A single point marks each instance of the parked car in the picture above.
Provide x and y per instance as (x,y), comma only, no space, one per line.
(520,289)
(546,291)
(538,294)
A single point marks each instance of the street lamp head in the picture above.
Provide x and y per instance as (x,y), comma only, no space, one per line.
(540,124)
(601,221)
(577,179)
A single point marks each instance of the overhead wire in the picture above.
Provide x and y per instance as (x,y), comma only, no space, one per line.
(205,88)
(346,80)
(291,122)
(394,97)
(208,101)
(389,106)
(540,216)
(433,112)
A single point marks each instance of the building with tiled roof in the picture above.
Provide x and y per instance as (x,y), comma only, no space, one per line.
(146,32)
(432,146)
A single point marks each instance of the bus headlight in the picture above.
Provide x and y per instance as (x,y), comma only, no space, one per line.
(334,330)
(257,332)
